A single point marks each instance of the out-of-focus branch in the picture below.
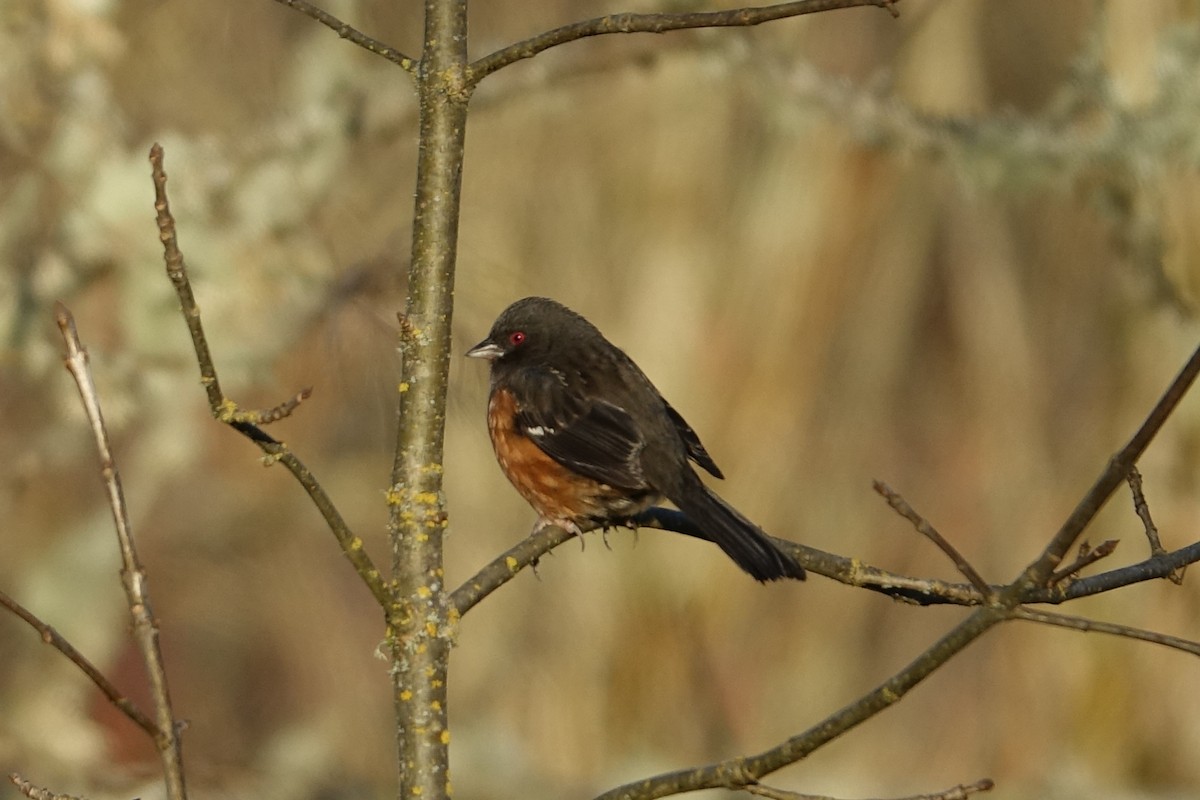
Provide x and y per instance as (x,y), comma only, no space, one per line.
(655,23)
(248,422)
(133,575)
(56,640)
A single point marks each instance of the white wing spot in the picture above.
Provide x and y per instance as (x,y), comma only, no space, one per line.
(538,430)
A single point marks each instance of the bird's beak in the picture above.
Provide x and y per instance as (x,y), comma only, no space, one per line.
(485,349)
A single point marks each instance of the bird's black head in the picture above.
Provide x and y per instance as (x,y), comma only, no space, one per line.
(531,330)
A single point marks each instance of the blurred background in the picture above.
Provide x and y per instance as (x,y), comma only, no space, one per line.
(956,252)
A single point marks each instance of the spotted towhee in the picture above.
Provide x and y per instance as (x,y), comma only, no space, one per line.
(585,437)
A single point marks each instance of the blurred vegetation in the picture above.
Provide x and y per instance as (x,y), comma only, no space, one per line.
(954,251)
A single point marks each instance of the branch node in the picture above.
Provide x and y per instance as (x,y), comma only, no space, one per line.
(1087,556)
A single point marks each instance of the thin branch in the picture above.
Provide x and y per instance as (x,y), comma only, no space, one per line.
(960,792)
(268,415)
(849,571)
(36,792)
(1038,572)
(133,575)
(53,638)
(1087,556)
(353,35)
(1151,568)
(1097,626)
(901,507)
(507,565)
(655,23)
(739,773)
(1142,509)
(227,411)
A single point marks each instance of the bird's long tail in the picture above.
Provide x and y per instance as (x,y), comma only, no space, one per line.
(741,539)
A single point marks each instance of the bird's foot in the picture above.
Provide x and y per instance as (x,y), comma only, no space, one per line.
(567,525)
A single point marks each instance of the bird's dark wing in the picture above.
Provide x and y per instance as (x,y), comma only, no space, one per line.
(691,441)
(591,436)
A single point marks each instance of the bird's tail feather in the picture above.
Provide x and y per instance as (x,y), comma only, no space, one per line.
(741,539)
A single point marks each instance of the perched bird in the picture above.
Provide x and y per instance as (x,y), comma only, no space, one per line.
(585,437)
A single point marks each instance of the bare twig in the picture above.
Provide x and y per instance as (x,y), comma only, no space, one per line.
(655,23)
(1087,556)
(901,507)
(53,638)
(1098,626)
(1142,508)
(1039,572)
(36,792)
(738,773)
(133,575)
(353,35)
(246,423)
(960,792)
(268,415)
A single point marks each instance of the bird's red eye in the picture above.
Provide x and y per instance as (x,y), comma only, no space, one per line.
(516,337)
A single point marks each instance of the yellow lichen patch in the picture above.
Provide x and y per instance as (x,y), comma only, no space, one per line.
(394,497)
(436,705)
(404,386)
(426,498)
(227,410)
(406,695)
(511,563)
(445,737)
(424,592)
(431,629)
